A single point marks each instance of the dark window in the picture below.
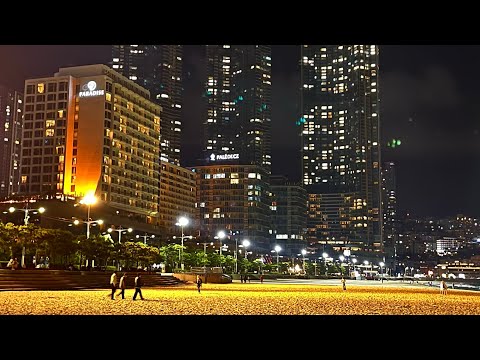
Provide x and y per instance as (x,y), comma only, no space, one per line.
(52,87)
(30,89)
(62,86)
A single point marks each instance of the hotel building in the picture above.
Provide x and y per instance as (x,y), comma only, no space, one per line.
(89,129)
(157,68)
(235,199)
(238,92)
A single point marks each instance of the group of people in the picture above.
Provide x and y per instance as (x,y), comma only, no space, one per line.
(122,285)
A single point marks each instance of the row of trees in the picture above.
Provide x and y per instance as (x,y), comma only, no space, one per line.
(65,249)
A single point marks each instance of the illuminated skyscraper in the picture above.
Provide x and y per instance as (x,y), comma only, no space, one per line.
(389,206)
(238,120)
(89,130)
(340,137)
(11,119)
(158,68)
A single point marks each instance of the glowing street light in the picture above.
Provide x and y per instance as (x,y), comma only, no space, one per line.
(304,252)
(277,250)
(382,264)
(246,244)
(221,235)
(89,200)
(120,231)
(27,211)
(182,222)
(145,237)
(325,256)
(354,261)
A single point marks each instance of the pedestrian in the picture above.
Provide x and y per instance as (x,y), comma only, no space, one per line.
(113,284)
(15,264)
(122,285)
(344,285)
(47,262)
(261,279)
(34,261)
(199,283)
(248,277)
(138,287)
(241,278)
(10,264)
(443,287)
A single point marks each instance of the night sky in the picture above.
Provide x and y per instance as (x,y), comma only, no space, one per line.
(429,100)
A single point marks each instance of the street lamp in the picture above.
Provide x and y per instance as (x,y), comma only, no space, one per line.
(120,231)
(145,237)
(304,252)
(88,200)
(221,235)
(246,244)
(382,264)
(277,250)
(182,222)
(325,256)
(354,261)
(26,210)
(99,222)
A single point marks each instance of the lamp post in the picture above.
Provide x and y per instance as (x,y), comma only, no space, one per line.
(26,210)
(246,244)
(381,269)
(221,235)
(182,222)
(304,252)
(277,250)
(325,255)
(88,200)
(354,261)
(120,231)
(145,237)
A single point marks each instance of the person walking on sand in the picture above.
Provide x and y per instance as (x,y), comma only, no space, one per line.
(344,285)
(443,287)
(199,283)
(122,285)
(138,287)
(113,284)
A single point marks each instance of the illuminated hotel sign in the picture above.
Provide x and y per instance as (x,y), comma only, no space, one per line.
(90,89)
(214,157)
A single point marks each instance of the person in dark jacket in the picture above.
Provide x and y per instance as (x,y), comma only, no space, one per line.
(138,287)
(198,282)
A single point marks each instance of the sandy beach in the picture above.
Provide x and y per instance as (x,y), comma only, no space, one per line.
(360,298)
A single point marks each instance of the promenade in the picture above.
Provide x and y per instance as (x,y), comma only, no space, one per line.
(317,297)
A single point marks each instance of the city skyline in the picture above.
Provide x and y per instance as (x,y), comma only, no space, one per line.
(423,91)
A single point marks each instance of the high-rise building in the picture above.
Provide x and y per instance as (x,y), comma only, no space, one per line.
(340,134)
(289,214)
(238,91)
(11,119)
(234,199)
(87,130)
(389,200)
(157,68)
